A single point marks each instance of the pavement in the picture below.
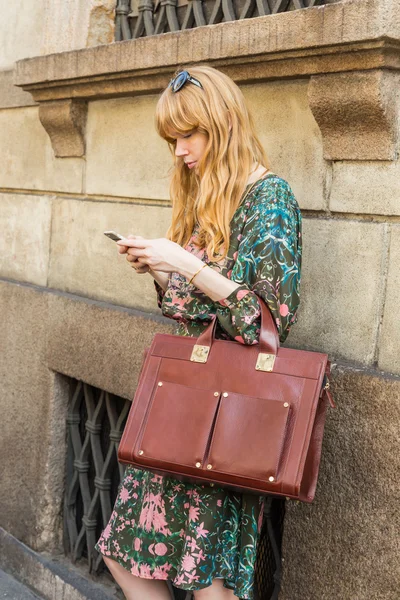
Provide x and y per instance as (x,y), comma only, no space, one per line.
(11,589)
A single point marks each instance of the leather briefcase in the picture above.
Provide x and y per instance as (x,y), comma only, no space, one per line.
(249,418)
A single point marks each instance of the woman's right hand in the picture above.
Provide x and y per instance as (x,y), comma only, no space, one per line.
(135,264)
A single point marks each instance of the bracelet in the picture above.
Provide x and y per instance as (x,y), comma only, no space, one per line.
(197,272)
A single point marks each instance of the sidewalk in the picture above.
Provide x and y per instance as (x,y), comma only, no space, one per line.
(11,589)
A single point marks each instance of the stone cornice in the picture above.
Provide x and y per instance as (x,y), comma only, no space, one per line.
(351,36)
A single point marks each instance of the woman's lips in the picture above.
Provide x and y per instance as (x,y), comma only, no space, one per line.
(190,165)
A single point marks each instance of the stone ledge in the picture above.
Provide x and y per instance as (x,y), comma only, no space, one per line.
(350,37)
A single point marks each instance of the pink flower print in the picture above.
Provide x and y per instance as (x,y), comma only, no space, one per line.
(239,237)
(137,544)
(124,495)
(248,319)
(107,532)
(135,483)
(200,556)
(182,533)
(159,573)
(188,563)
(145,571)
(179,580)
(160,549)
(201,532)
(278,321)
(191,577)
(157,479)
(134,495)
(186,505)
(229,274)
(126,557)
(192,544)
(134,568)
(102,547)
(151,549)
(284,310)
(235,255)
(129,511)
(219,502)
(193,513)
(241,294)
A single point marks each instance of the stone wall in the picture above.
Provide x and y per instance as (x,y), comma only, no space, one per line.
(70,306)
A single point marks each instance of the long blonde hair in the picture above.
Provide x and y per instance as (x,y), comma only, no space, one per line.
(212,195)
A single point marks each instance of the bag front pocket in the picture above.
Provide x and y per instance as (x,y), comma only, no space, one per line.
(249,436)
(178,425)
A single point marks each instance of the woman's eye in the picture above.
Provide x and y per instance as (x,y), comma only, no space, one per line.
(187,136)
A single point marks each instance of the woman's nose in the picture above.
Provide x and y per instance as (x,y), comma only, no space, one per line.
(180,148)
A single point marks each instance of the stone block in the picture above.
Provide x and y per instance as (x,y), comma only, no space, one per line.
(84,261)
(11,95)
(27,156)
(389,341)
(357,114)
(291,138)
(345,544)
(365,187)
(32,469)
(341,288)
(98,343)
(25,239)
(21,30)
(125,155)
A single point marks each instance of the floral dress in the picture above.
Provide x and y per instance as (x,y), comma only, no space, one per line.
(162,528)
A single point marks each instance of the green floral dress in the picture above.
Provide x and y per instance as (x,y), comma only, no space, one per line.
(190,534)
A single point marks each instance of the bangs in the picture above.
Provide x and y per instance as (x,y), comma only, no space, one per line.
(173,115)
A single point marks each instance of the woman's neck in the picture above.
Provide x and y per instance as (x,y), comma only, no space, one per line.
(257,173)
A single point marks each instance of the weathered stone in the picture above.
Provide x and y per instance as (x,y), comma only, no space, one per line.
(65,122)
(11,95)
(346,544)
(20,30)
(341,288)
(125,155)
(291,137)
(27,156)
(98,343)
(86,262)
(366,187)
(25,240)
(357,114)
(389,341)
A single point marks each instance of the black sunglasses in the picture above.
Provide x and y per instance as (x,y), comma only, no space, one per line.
(181,79)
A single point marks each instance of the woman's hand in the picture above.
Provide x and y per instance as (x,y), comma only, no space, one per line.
(157,255)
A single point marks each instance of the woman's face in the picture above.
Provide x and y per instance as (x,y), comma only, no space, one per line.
(190,147)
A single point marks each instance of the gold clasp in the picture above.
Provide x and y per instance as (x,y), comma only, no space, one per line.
(200,353)
(265,362)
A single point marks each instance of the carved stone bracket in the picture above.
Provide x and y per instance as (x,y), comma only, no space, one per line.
(65,122)
(357,113)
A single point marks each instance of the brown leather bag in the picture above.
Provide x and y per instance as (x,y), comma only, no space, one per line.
(249,418)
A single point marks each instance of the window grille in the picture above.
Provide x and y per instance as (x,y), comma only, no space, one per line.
(96,420)
(139,18)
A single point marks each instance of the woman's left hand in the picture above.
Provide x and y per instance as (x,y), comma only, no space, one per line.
(158,254)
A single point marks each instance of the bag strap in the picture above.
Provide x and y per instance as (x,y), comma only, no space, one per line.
(269,340)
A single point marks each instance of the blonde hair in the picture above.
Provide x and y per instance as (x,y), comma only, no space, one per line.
(212,195)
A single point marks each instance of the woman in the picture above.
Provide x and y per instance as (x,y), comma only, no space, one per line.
(235,236)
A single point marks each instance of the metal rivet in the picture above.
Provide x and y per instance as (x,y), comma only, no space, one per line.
(225,394)
(198,465)
(160,383)
(211,485)
(141,452)
(271,479)
(286,404)
(209,467)
(216,393)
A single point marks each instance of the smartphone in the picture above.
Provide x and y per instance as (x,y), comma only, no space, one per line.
(114,236)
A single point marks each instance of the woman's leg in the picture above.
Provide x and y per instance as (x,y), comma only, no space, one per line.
(137,588)
(216,591)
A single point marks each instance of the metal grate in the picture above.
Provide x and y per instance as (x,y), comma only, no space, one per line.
(95,423)
(140,18)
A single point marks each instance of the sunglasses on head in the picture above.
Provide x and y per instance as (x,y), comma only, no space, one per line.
(181,79)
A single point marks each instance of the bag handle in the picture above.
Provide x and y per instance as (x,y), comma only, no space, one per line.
(269,340)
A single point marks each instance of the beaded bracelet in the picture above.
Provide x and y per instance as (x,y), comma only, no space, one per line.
(197,272)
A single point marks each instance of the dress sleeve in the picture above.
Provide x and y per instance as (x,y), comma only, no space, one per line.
(267,264)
